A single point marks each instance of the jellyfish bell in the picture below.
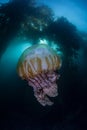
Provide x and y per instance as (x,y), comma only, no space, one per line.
(38,65)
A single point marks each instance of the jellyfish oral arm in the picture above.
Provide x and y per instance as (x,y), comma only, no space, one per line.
(44,86)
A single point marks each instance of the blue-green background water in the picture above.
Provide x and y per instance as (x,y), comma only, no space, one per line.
(63,26)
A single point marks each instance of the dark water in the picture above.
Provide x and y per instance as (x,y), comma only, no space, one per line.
(19,109)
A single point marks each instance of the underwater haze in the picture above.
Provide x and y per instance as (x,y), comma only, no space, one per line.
(62,25)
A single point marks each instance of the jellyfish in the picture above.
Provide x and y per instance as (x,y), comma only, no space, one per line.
(39,65)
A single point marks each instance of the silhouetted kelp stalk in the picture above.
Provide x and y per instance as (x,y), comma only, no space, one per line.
(11,16)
